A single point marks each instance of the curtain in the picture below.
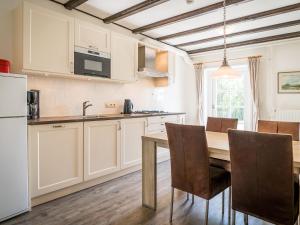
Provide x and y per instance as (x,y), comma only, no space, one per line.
(199,88)
(254,64)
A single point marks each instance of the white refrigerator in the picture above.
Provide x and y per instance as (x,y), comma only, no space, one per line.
(14,197)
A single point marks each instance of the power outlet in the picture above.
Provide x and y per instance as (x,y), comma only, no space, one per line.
(110,105)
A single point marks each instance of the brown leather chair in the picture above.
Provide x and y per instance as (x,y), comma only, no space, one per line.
(291,128)
(190,168)
(217,124)
(263,183)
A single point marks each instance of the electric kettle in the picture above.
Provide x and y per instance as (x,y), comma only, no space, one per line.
(128,106)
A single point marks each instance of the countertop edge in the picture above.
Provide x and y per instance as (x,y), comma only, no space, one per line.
(54,120)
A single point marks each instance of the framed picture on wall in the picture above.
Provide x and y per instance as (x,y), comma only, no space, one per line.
(289,82)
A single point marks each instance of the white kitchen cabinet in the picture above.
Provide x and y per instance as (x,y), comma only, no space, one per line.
(101,148)
(131,144)
(88,35)
(56,157)
(45,40)
(123,57)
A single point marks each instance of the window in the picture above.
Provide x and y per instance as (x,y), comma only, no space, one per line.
(227,97)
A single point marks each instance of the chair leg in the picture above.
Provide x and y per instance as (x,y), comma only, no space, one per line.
(206,212)
(193,199)
(223,199)
(245,219)
(171,209)
(229,206)
(187,196)
(233,217)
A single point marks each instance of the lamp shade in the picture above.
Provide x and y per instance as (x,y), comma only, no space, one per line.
(226,71)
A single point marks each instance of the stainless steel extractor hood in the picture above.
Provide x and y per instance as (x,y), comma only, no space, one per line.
(152,62)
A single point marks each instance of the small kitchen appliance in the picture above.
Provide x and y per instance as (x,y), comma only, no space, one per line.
(128,106)
(4,66)
(33,104)
(14,195)
(90,62)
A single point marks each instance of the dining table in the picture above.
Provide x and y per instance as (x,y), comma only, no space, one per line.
(218,147)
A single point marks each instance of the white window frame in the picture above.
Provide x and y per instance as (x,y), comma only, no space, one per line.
(210,95)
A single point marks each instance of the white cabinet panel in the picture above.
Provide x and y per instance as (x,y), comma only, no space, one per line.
(91,36)
(101,148)
(48,40)
(56,157)
(123,57)
(132,132)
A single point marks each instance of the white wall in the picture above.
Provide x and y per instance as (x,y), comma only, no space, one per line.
(276,57)
(63,97)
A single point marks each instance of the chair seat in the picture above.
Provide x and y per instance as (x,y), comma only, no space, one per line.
(220,180)
(220,164)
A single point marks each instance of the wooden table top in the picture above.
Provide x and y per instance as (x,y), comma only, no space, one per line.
(218,145)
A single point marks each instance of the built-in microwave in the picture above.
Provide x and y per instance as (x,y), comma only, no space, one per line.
(91,63)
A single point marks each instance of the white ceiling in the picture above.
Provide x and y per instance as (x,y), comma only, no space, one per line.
(176,7)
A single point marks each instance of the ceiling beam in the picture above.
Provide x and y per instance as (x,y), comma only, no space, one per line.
(248,42)
(71,4)
(255,16)
(133,10)
(251,31)
(187,15)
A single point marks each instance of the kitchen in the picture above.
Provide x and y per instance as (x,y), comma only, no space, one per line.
(95,86)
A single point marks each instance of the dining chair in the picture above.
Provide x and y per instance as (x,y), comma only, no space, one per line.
(218,124)
(291,128)
(262,179)
(190,169)
(267,126)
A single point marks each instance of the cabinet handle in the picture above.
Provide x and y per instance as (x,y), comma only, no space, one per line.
(71,67)
(57,126)
(119,126)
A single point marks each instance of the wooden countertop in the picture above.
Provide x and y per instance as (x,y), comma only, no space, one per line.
(70,119)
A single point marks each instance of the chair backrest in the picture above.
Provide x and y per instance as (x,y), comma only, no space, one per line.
(189,158)
(267,126)
(262,175)
(291,128)
(218,124)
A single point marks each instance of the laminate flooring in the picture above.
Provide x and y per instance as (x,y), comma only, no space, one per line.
(119,202)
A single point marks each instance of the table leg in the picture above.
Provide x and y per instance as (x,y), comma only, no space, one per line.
(149,174)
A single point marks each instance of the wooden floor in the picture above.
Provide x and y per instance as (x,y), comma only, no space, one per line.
(119,202)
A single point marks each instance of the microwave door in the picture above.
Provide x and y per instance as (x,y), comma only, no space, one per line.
(86,64)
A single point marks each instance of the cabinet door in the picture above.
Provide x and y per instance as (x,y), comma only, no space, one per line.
(56,157)
(132,132)
(88,35)
(123,57)
(48,40)
(101,148)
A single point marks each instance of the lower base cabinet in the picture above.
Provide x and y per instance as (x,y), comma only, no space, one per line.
(101,148)
(66,154)
(56,157)
(131,144)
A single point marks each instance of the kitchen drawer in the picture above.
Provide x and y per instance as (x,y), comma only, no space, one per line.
(162,119)
(156,127)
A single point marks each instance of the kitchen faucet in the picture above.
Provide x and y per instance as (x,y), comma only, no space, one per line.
(85,106)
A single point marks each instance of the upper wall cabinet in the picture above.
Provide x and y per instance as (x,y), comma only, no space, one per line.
(47,40)
(123,57)
(91,36)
